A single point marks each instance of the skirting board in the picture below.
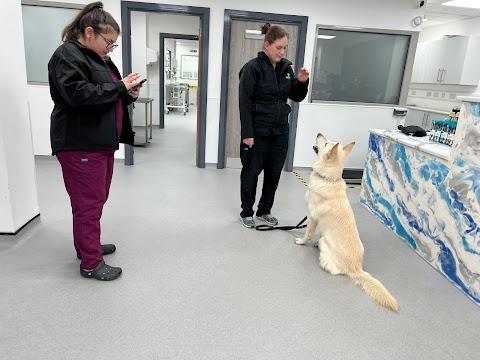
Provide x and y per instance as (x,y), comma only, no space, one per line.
(16,232)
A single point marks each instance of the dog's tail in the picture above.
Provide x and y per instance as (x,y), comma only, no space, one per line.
(375,289)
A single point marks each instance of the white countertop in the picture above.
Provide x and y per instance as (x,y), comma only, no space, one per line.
(420,143)
(470,98)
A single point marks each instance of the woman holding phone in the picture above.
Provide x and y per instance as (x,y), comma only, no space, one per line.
(89,120)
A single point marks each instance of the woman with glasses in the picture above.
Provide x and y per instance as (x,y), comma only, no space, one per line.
(89,120)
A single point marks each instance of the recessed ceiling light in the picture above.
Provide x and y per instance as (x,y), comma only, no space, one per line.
(326,37)
(473,4)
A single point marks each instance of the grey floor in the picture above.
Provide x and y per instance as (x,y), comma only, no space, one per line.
(198,285)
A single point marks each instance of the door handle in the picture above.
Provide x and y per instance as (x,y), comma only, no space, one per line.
(442,79)
(438,75)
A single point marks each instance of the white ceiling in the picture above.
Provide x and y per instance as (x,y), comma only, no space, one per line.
(438,14)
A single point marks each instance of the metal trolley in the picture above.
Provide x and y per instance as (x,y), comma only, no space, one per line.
(176,97)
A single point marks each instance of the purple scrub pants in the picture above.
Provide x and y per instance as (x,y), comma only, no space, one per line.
(87,176)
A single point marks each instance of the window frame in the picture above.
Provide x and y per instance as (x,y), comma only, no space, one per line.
(52,5)
(407,73)
(185,58)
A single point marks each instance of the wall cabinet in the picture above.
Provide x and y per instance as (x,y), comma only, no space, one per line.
(418,72)
(452,61)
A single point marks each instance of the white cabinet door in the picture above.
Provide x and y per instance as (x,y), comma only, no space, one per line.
(432,116)
(427,123)
(471,69)
(415,117)
(456,51)
(418,72)
(452,61)
(435,61)
(437,116)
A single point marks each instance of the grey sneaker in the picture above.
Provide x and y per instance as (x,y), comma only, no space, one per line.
(248,222)
(269,219)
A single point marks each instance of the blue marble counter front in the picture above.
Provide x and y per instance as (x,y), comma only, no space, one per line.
(432,204)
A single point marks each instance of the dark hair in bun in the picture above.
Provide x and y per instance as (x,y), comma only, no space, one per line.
(273,33)
(92,15)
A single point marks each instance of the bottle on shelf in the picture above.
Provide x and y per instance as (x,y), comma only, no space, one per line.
(443,131)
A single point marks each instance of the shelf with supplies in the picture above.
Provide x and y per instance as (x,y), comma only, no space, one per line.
(443,131)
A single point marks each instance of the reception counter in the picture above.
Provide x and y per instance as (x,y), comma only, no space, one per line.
(429,195)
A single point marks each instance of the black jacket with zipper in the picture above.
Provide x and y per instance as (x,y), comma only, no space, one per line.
(263,95)
(85,95)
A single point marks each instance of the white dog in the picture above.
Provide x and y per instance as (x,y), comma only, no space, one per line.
(341,251)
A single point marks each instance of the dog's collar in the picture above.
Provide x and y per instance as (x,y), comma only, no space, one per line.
(326,178)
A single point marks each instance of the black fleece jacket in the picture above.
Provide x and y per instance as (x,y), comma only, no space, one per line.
(84,94)
(263,95)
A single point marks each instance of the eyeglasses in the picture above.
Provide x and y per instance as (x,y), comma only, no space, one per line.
(110,44)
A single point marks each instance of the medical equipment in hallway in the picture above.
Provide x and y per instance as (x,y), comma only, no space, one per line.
(176,97)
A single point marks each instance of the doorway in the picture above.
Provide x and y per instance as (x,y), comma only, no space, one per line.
(237,41)
(167,58)
(203,14)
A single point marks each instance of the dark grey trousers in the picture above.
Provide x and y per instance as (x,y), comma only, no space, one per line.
(268,154)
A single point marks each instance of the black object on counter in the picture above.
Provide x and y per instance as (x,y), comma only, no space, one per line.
(412,130)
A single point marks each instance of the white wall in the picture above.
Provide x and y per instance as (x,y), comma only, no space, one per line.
(139,60)
(170,44)
(464,27)
(18,194)
(41,105)
(342,123)
(380,14)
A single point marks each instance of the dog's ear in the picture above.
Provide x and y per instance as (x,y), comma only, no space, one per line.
(347,149)
(333,152)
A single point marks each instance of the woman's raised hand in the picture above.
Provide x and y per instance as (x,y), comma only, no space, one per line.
(303,74)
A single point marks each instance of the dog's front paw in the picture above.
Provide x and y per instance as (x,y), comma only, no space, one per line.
(300,241)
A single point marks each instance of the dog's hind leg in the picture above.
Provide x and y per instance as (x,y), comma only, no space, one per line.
(327,258)
(311,227)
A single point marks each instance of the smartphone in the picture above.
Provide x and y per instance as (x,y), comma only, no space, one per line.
(136,87)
